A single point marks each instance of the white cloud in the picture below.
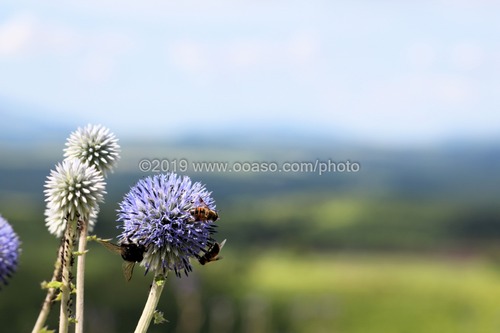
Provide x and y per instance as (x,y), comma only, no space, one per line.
(16,34)
(100,54)
(97,68)
(467,56)
(412,106)
(189,56)
(25,34)
(454,91)
(246,54)
(300,50)
(304,48)
(93,55)
(421,55)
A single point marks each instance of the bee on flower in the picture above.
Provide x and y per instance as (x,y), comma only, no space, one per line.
(157,213)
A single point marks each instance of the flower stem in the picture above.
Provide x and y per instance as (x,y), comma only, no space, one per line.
(66,261)
(151,303)
(80,276)
(51,293)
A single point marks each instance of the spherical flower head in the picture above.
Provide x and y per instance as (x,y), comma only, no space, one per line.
(9,250)
(73,190)
(56,219)
(155,213)
(96,145)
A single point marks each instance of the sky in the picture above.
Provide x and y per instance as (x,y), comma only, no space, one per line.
(374,71)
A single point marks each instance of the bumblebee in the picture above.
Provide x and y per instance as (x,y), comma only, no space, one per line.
(130,253)
(212,253)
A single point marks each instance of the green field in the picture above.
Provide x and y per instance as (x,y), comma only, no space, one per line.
(366,293)
(292,292)
(410,244)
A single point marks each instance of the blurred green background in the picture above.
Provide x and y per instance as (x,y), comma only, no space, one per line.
(409,90)
(410,243)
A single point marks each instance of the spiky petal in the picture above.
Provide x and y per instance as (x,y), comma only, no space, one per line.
(96,145)
(73,190)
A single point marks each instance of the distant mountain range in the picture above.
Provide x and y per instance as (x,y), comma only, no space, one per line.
(23,123)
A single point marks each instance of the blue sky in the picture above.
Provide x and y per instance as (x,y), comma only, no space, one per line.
(376,71)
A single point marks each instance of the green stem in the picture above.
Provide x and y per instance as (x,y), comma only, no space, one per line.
(80,276)
(51,293)
(66,259)
(151,303)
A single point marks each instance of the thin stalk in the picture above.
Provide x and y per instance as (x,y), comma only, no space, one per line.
(51,293)
(80,276)
(66,261)
(151,303)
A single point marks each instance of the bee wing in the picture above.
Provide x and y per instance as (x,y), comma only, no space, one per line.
(128,269)
(110,246)
(204,260)
(217,257)
(202,202)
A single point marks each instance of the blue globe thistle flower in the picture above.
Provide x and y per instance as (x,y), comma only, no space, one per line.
(96,145)
(9,250)
(156,214)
